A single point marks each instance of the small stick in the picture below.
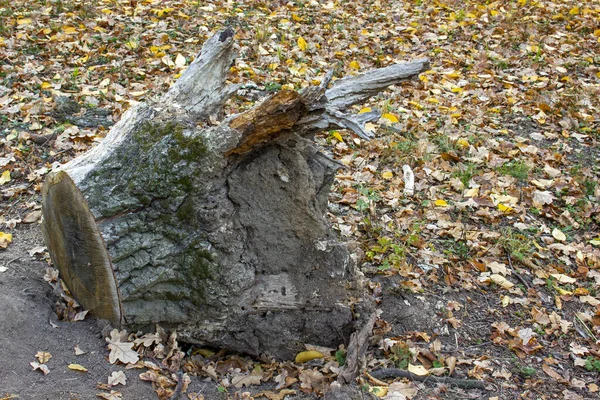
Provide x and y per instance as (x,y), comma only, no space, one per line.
(384,373)
(519,277)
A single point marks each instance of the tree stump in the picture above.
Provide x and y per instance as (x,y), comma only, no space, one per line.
(217,230)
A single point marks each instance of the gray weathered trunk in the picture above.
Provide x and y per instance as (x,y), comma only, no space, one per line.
(218,231)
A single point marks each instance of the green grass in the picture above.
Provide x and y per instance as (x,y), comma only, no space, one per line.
(517,169)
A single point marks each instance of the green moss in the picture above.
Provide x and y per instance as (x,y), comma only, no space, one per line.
(187,212)
(197,265)
(185,148)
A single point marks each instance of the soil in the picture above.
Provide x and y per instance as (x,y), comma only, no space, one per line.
(29,324)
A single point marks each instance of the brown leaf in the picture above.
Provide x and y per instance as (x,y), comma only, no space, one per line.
(553,374)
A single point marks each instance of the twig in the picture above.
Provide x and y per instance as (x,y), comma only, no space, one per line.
(588,330)
(177,393)
(384,373)
(355,358)
(519,277)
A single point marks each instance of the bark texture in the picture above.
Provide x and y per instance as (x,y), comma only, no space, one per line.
(218,231)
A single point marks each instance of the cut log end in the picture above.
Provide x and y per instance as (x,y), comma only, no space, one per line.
(77,248)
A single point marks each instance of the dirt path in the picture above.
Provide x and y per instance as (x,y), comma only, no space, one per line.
(28,324)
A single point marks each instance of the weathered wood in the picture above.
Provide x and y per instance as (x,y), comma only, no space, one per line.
(218,231)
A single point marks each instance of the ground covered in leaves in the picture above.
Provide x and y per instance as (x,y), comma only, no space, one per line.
(487,268)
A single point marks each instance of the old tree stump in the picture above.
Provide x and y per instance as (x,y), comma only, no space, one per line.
(216,230)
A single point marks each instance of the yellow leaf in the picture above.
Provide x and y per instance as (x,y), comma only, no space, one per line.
(562,291)
(504,208)
(441,203)
(502,281)
(132,45)
(305,356)
(302,43)
(379,391)
(595,242)
(69,29)
(77,367)
(597,33)
(296,18)
(46,85)
(390,117)
(387,175)
(23,21)
(574,11)
(5,177)
(365,110)
(464,143)
(354,65)
(337,135)
(417,370)
(558,235)
(457,89)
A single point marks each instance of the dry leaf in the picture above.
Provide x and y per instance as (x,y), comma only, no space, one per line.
(43,356)
(117,378)
(113,395)
(417,370)
(5,240)
(245,380)
(558,235)
(121,351)
(77,367)
(41,367)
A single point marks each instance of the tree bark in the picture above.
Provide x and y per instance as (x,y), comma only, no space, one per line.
(216,230)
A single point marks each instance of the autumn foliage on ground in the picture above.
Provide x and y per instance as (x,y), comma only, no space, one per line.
(500,231)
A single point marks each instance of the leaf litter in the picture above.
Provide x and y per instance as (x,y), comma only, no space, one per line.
(482,185)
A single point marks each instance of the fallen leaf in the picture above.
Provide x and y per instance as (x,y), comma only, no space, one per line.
(561,278)
(553,374)
(121,351)
(390,117)
(302,43)
(502,281)
(306,356)
(387,175)
(43,357)
(5,240)
(417,370)
(542,198)
(32,217)
(78,351)
(77,367)
(558,235)
(275,396)
(113,395)
(245,380)
(41,367)
(5,177)
(117,378)
(354,65)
